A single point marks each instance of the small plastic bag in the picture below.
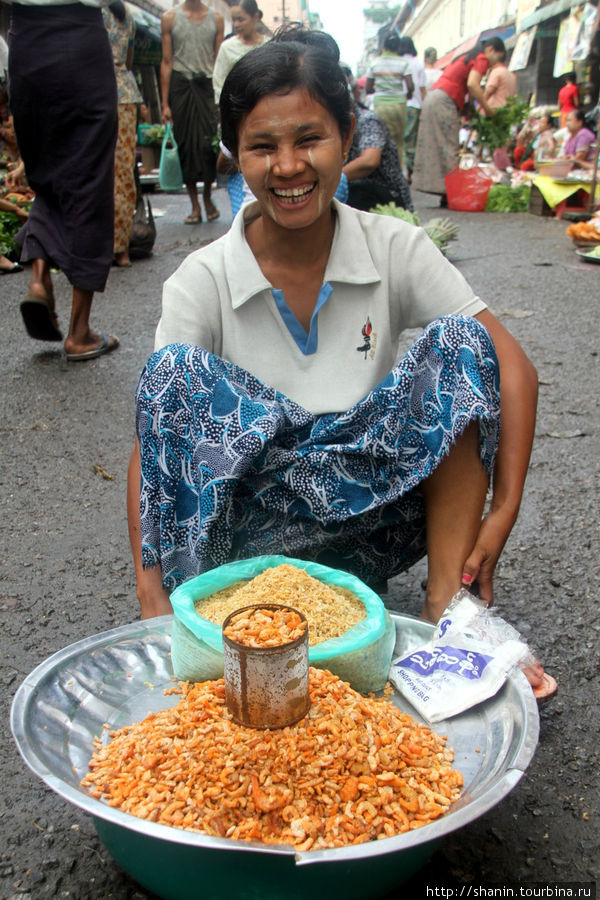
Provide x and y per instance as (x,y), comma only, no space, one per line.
(170,176)
(361,656)
(469,657)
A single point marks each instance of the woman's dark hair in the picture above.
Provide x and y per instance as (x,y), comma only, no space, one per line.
(250,7)
(579,115)
(117,8)
(495,42)
(279,67)
(407,47)
(571,78)
(392,42)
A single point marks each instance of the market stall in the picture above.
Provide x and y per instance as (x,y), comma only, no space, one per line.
(572,192)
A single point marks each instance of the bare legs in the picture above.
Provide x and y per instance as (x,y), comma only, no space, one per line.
(80,338)
(196,213)
(454,497)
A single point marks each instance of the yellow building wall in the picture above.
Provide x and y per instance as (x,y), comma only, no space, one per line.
(444,24)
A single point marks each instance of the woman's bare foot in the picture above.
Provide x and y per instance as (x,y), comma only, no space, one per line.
(122,260)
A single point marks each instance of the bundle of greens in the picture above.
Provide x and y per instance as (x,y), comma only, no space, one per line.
(504,198)
(495,131)
(441,231)
(9,225)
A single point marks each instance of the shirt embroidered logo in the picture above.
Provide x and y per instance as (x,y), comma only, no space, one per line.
(366,333)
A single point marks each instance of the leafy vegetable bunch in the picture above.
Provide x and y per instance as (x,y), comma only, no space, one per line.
(495,131)
(504,198)
(440,231)
(9,225)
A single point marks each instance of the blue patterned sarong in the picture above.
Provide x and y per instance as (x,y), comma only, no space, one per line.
(232,468)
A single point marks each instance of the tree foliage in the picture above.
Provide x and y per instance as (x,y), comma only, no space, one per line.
(381,14)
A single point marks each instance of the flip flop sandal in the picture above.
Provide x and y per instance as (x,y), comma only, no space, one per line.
(16,267)
(40,321)
(109,343)
(213,215)
(193,220)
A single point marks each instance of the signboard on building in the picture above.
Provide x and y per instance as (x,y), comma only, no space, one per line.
(522,51)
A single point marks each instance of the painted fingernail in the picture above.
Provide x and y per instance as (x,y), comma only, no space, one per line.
(466,579)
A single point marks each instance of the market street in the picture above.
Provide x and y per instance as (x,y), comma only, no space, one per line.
(67,431)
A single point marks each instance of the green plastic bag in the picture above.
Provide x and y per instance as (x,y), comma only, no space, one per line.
(170,177)
(361,656)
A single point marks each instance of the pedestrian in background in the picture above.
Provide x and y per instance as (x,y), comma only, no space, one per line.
(501,84)
(414,104)
(568,97)
(121,32)
(437,150)
(431,73)
(63,97)
(245,18)
(390,82)
(373,169)
(191,37)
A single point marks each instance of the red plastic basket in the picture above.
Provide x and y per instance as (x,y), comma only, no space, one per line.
(467,189)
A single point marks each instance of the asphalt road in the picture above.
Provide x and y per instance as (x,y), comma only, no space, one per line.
(66,433)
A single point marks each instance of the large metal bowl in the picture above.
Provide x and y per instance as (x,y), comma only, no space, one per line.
(118,677)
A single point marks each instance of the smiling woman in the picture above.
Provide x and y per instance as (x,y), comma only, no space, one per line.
(329,448)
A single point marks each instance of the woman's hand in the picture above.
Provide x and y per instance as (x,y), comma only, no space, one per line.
(481,562)
(167,116)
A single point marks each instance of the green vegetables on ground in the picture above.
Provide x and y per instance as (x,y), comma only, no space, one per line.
(9,225)
(504,198)
(441,231)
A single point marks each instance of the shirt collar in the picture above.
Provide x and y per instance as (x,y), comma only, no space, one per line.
(350,260)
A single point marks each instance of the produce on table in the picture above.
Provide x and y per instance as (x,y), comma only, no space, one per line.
(441,231)
(354,769)
(150,134)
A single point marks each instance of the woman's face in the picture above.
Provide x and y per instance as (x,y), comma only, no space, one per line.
(573,123)
(493,56)
(244,25)
(291,154)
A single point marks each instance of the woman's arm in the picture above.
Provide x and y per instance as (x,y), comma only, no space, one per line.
(363,165)
(166,65)
(518,402)
(154,600)
(476,91)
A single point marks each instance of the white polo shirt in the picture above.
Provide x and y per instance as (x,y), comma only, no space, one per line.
(383,276)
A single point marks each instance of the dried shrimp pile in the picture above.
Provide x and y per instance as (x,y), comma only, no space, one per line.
(331,610)
(354,769)
(261,626)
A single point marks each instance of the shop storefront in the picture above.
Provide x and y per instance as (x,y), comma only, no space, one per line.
(558,38)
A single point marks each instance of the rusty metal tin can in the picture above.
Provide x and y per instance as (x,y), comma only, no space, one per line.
(266,687)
